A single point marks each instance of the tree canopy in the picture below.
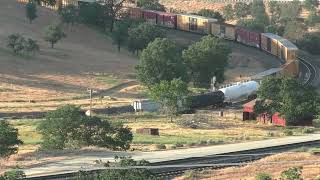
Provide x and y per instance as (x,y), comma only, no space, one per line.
(112,8)
(311,5)
(172,95)
(310,42)
(293,100)
(161,60)
(241,9)
(119,174)
(205,59)
(228,12)
(69,127)
(53,33)
(258,12)
(69,14)
(211,14)
(120,33)
(252,24)
(142,35)
(9,140)
(93,14)
(151,5)
(294,30)
(31,11)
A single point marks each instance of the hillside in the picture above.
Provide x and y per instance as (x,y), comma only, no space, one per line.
(60,72)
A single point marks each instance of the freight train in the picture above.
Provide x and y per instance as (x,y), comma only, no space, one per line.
(278,46)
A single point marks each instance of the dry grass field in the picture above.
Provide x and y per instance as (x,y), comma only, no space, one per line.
(76,63)
(311,170)
(191,5)
(86,58)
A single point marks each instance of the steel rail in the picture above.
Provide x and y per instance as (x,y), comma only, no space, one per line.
(311,69)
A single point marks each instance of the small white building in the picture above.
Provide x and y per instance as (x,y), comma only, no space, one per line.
(145,105)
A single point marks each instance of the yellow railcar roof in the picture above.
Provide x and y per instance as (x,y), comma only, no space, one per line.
(199,17)
(286,43)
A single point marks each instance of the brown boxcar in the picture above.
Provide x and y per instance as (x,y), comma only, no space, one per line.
(150,16)
(167,19)
(248,37)
(291,68)
(287,50)
(226,31)
(269,43)
(193,23)
(135,13)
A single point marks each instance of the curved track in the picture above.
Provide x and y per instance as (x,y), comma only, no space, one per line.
(311,70)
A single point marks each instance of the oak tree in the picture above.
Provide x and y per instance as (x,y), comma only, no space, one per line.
(205,59)
(161,60)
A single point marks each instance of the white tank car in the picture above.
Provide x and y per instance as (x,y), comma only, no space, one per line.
(239,90)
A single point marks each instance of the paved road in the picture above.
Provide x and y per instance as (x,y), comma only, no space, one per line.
(86,160)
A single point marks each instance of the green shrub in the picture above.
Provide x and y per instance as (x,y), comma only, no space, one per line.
(293,173)
(190,174)
(302,149)
(263,176)
(161,146)
(202,142)
(270,134)
(315,151)
(173,147)
(316,123)
(211,142)
(19,44)
(15,174)
(287,132)
(307,130)
(178,145)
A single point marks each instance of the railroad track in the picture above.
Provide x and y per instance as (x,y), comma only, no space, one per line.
(312,70)
(178,167)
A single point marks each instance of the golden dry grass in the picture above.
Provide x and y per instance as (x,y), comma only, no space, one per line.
(310,170)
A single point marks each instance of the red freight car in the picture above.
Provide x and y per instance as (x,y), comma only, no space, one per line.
(150,16)
(167,19)
(248,37)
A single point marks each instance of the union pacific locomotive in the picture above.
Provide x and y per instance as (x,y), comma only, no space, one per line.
(268,42)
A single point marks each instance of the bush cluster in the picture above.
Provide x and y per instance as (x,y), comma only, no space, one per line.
(15,174)
(19,44)
(287,132)
(69,127)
